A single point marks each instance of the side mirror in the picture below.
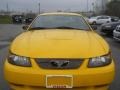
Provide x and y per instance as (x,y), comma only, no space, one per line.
(94,27)
(25,27)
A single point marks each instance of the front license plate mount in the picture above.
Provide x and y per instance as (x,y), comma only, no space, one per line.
(59,81)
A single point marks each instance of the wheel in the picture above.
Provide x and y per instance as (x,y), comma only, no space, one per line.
(107,21)
(94,23)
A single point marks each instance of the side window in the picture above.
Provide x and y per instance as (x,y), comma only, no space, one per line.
(99,18)
(106,17)
(103,17)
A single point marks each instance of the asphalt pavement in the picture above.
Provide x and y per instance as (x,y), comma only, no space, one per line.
(9,31)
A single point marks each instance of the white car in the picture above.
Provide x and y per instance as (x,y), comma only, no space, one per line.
(100,20)
(116,33)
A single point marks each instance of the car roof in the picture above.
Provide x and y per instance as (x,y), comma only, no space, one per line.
(60,13)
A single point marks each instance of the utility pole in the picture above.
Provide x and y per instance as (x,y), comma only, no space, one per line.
(87,6)
(102,5)
(7,7)
(96,7)
(39,7)
(93,7)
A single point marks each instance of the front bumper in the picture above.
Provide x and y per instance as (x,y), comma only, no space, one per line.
(91,22)
(34,77)
(104,87)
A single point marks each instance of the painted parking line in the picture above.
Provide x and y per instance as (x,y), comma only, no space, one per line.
(2,43)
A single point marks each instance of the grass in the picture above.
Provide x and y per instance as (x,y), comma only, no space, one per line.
(5,19)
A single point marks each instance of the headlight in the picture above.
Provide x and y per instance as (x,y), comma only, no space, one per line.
(100,61)
(19,60)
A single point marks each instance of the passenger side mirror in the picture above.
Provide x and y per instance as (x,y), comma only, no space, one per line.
(25,27)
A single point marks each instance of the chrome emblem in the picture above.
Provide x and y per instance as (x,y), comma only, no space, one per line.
(59,63)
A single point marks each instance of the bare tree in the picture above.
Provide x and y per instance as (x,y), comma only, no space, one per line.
(113,8)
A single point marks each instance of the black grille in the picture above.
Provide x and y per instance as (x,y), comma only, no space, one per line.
(59,63)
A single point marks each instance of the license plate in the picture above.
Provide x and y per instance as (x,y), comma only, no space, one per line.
(59,81)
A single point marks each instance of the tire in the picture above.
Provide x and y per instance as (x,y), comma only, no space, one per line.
(107,21)
(94,23)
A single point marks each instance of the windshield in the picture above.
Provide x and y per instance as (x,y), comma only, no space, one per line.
(93,18)
(60,22)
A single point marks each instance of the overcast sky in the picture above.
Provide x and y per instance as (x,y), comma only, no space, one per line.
(46,5)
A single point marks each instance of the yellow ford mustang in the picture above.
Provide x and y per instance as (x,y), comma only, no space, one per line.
(59,50)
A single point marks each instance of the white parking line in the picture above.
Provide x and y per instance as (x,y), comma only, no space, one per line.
(4,43)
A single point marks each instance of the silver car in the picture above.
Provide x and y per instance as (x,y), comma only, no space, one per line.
(116,33)
(100,20)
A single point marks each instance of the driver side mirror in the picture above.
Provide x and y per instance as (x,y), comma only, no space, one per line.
(25,27)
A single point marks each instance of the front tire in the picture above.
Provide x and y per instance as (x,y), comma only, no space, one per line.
(94,23)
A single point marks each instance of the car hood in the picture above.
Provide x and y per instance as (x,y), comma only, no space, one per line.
(59,44)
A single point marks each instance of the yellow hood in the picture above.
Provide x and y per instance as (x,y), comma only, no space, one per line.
(53,43)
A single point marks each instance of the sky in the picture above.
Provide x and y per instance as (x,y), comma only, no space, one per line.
(47,5)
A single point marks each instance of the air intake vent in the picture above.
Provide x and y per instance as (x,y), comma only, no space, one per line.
(59,63)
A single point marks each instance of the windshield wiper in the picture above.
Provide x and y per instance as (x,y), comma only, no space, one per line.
(34,28)
(60,27)
(65,27)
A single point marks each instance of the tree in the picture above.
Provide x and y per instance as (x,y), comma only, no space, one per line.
(113,8)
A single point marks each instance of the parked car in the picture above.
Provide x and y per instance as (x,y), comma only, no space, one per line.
(100,20)
(116,33)
(115,19)
(28,20)
(59,50)
(109,27)
(17,18)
